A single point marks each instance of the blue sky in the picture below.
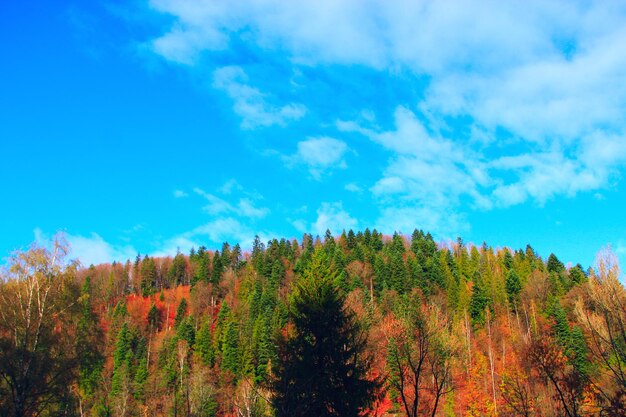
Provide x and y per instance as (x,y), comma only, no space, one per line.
(147,126)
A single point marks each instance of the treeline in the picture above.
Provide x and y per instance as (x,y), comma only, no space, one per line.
(359,324)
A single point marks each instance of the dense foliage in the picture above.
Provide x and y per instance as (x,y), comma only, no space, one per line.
(360,324)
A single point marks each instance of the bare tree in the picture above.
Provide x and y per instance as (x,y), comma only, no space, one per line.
(420,361)
(603,315)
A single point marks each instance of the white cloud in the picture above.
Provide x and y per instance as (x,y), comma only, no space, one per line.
(176,244)
(180,194)
(332,216)
(426,178)
(445,222)
(230,186)
(250,103)
(320,155)
(540,86)
(353,188)
(299,225)
(244,207)
(224,228)
(92,249)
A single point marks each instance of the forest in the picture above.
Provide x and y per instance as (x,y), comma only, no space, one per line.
(360,324)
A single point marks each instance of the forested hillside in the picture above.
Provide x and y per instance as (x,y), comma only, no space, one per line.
(357,324)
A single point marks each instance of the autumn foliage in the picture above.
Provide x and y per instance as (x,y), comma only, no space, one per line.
(442,329)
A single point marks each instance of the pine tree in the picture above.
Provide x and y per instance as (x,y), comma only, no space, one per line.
(513,286)
(89,338)
(176,275)
(148,276)
(230,348)
(321,370)
(154,319)
(121,359)
(181,311)
(554,265)
(204,345)
(218,268)
(479,301)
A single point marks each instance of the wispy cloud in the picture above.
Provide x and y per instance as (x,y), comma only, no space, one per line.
(180,194)
(91,249)
(333,217)
(250,103)
(517,106)
(353,188)
(243,207)
(319,155)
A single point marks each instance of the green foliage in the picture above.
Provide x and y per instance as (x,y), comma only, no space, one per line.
(89,338)
(230,348)
(154,318)
(554,265)
(513,286)
(122,357)
(324,359)
(218,268)
(186,330)
(579,352)
(479,301)
(148,276)
(181,312)
(176,274)
(204,344)
(281,324)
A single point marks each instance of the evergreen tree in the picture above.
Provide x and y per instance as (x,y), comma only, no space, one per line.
(154,319)
(178,270)
(202,260)
(479,301)
(121,359)
(181,311)
(513,286)
(554,265)
(230,348)
(218,268)
(186,331)
(148,276)
(579,352)
(89,338)
(204,345)
(321,370)
(577,275)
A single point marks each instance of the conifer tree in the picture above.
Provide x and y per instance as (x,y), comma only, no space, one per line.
(204,346)
(154,319)
(230,348)
(148,276)
(181,311)
(321,369)
(177,271)
(513,286)
(479,301)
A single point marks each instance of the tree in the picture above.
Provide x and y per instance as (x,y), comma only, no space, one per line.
(154,319)
(419,359)
(176,275)
(321,369)
(38,360)
(89,338)
(148,276)
(603,315)
(513,286)
(479,301)
(181,312)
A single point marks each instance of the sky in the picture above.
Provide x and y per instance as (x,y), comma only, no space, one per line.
(159,125)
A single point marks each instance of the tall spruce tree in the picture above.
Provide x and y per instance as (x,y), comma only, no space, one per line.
(321,369)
